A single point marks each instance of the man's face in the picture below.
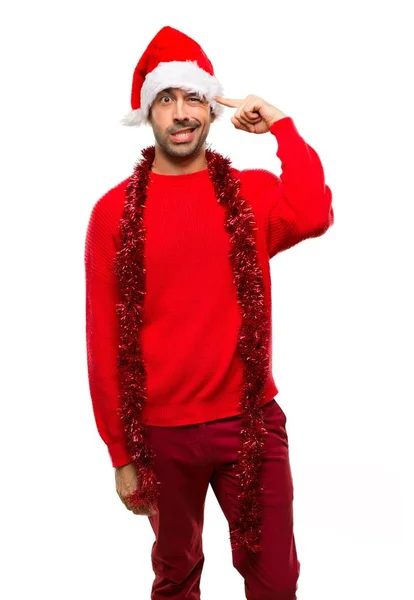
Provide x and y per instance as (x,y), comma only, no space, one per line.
(175,110)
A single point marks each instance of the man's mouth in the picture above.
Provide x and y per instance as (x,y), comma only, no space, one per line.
(184,135)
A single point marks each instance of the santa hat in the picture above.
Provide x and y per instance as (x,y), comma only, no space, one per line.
(172,59)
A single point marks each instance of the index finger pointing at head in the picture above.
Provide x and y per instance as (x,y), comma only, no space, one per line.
(228,101)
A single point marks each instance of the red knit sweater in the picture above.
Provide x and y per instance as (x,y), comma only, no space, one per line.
(191,316)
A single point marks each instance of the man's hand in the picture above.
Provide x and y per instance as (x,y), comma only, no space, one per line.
(126,483)
(253,114)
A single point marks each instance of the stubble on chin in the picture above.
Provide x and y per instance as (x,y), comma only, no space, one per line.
(180,149)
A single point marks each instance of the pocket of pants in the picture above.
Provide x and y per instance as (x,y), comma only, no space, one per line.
(275,423)
(275,406)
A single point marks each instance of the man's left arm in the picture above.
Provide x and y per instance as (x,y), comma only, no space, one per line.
(300,203)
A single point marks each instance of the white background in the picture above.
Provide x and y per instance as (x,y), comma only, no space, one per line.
(342,303)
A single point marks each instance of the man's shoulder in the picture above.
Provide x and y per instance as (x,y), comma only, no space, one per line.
(257,176)
(111,203)
(257,183)
(259,187)
(113,197)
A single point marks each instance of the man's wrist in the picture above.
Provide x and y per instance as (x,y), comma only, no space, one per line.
(280,115)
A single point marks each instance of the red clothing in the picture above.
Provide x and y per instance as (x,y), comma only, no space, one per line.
(191,314)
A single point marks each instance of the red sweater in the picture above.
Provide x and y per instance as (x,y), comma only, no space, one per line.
(191,316)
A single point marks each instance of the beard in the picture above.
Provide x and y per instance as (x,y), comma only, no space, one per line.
(183,149)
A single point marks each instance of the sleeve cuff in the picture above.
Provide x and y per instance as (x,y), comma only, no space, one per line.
(118,453)
(282,125)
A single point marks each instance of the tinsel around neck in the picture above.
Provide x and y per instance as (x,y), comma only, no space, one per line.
(252,343)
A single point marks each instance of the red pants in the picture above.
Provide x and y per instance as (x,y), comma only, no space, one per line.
(188,459)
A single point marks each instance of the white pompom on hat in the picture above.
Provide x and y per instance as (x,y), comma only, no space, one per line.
(171,60)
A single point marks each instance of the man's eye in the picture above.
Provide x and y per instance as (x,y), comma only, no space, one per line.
(196,98)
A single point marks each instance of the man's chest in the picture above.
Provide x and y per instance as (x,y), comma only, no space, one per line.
(185,232)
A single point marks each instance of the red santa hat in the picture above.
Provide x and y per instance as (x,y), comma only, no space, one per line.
(172,59)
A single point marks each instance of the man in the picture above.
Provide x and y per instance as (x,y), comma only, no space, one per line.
(178,302)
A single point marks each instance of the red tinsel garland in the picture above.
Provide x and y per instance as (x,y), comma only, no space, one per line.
(253,340)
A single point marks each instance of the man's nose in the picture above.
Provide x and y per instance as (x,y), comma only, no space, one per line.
(180,112)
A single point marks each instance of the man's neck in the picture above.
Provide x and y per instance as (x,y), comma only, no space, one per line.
(164,164)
